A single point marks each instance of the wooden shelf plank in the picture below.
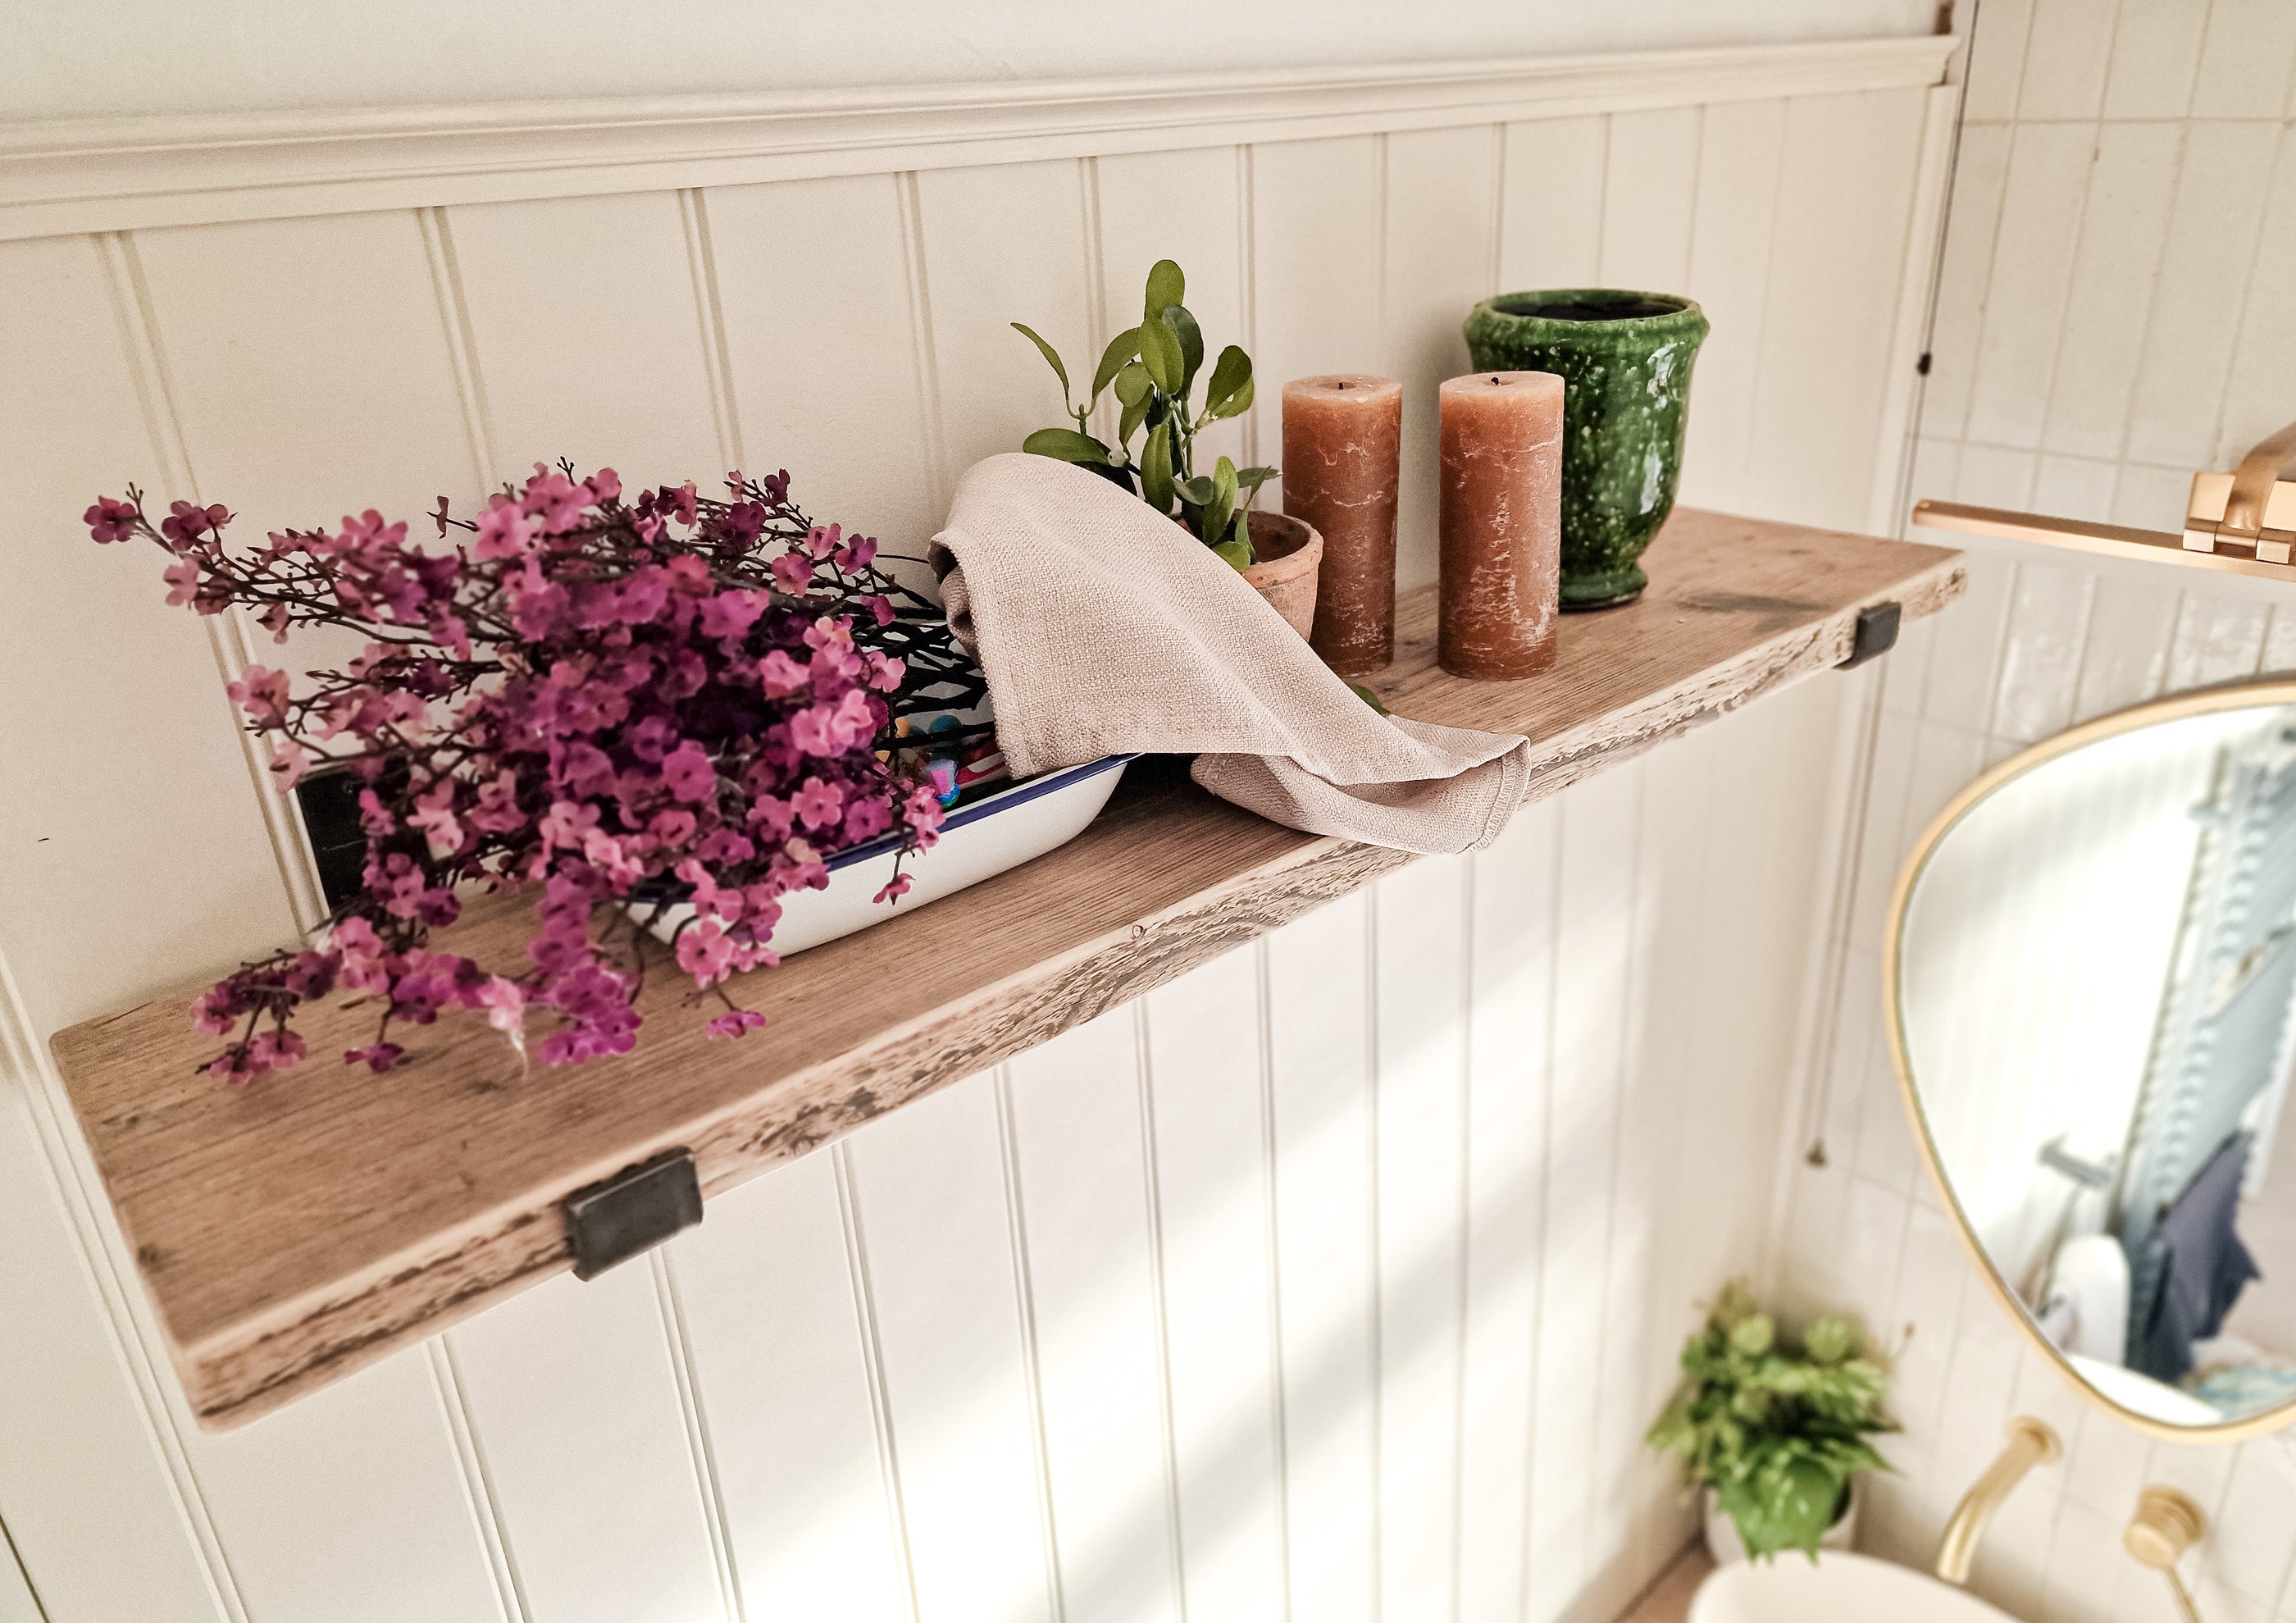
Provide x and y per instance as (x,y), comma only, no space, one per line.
(293,1230)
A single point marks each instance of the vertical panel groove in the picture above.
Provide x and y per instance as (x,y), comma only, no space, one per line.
(44,1102)
(1264,1007)
(921,339)
(461,341)
(1175,1535)
(1466,1018)
(228,635)
(1008,1151)
(709,308)
(478,1487)
(865,1308)
(697,1432)
(1372,1069)
(1248,282)
(1379,144)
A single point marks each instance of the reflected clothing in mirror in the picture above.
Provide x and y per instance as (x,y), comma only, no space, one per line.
(2093,987)
(2201,1267)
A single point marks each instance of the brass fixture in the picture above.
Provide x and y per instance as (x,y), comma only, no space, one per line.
(2166,1525)
(2253,506)
(2031,1443)
(2240,523)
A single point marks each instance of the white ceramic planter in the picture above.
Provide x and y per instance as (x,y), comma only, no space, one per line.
(976,842)
(1724,1545)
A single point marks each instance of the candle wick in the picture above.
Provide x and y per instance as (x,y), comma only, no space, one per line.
(1495,378)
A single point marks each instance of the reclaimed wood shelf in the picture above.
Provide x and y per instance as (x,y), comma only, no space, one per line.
(295,1229)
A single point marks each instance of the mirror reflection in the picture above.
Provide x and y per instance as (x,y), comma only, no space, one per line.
(2096,969)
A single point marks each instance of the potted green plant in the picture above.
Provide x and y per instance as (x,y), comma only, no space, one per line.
(1152,369)
(1774,1431)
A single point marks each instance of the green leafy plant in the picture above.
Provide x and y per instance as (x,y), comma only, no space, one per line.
(1776,1430)
(1153,368)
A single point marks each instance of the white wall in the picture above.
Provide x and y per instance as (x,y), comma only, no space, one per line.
(2112,315)
(60,59)
(1337,1281)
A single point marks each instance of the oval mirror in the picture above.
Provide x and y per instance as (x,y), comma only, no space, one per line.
(2091,967)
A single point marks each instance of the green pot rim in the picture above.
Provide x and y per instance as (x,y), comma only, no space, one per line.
(1493,320)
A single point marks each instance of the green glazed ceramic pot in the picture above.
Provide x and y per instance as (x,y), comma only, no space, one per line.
(1625,359)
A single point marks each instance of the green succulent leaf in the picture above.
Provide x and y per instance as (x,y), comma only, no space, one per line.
(1051,355)
(1219,513)
(1197,491)
(1235,551)
(1134,412)
(1121,350)
(1166,286)
(1066,444)
(1191,345)
(1250,480)
(1159,353)
(1132,381)
(1231,378)
(1830,1341)
(1367,696)
(1156,468)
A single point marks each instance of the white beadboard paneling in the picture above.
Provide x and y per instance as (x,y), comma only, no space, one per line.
(1186,207)
(995,390)
(574,1407)
(2217,637)
(83,848)
(1509,1083)
(807,392)
(292,415)
(1437,262)
(1319,1017)
(1206,1088)
(2032,267)
(1316,226)
(1081,1168)
(2204,271)
(586,338)
(1551,211)
(1814,448)
(1420,983)
(933,1220)
(1992,475)
(2041,655)
(2125,229)
(1087,1340)
(2075,488)
(2126,659)
(1649,187)
(766,1285)
(1593,977)
(352,1507)
(86,1495)
(2156,50)
(1739,150)
(17,1604)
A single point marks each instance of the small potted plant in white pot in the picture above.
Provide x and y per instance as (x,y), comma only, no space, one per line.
(1153,369)
(1775,1431)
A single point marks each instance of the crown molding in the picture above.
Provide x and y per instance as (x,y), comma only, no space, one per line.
(64,176)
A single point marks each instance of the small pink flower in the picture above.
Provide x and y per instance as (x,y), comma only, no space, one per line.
(182,579)
(818,804)
(262,693)
(378,1058)
(288,763)
(734,1022)
(109,521)
(186,523)
(687,774)
(604,486)
(894,888)
(275,1050)
(704,953)
(793,573)
(782,676)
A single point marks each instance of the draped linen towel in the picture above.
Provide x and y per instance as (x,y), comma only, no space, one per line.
(1105,628)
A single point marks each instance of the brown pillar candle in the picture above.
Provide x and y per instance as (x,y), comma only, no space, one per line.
(1502,523)
(1342,444)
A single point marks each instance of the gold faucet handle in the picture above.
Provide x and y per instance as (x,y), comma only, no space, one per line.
(2255,506)
(2166,1525)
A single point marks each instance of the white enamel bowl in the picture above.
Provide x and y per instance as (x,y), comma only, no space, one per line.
(1837,1586)
(976,842)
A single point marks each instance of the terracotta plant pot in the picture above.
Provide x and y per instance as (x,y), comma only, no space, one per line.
(1291,554)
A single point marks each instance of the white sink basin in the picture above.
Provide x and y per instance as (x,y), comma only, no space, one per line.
(1790,1590)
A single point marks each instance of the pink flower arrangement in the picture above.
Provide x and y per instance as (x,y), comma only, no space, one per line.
(669,697)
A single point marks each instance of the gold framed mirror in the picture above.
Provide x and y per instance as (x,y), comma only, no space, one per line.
(2090,970)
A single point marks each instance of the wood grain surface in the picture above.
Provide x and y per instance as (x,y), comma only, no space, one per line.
(291,1231)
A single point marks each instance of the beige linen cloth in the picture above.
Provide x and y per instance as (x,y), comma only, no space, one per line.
(1105,628)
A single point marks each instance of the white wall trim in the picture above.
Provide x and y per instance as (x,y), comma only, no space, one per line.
(63,177)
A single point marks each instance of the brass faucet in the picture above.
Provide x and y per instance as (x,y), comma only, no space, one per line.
(2031,1443)
(2166,1525)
